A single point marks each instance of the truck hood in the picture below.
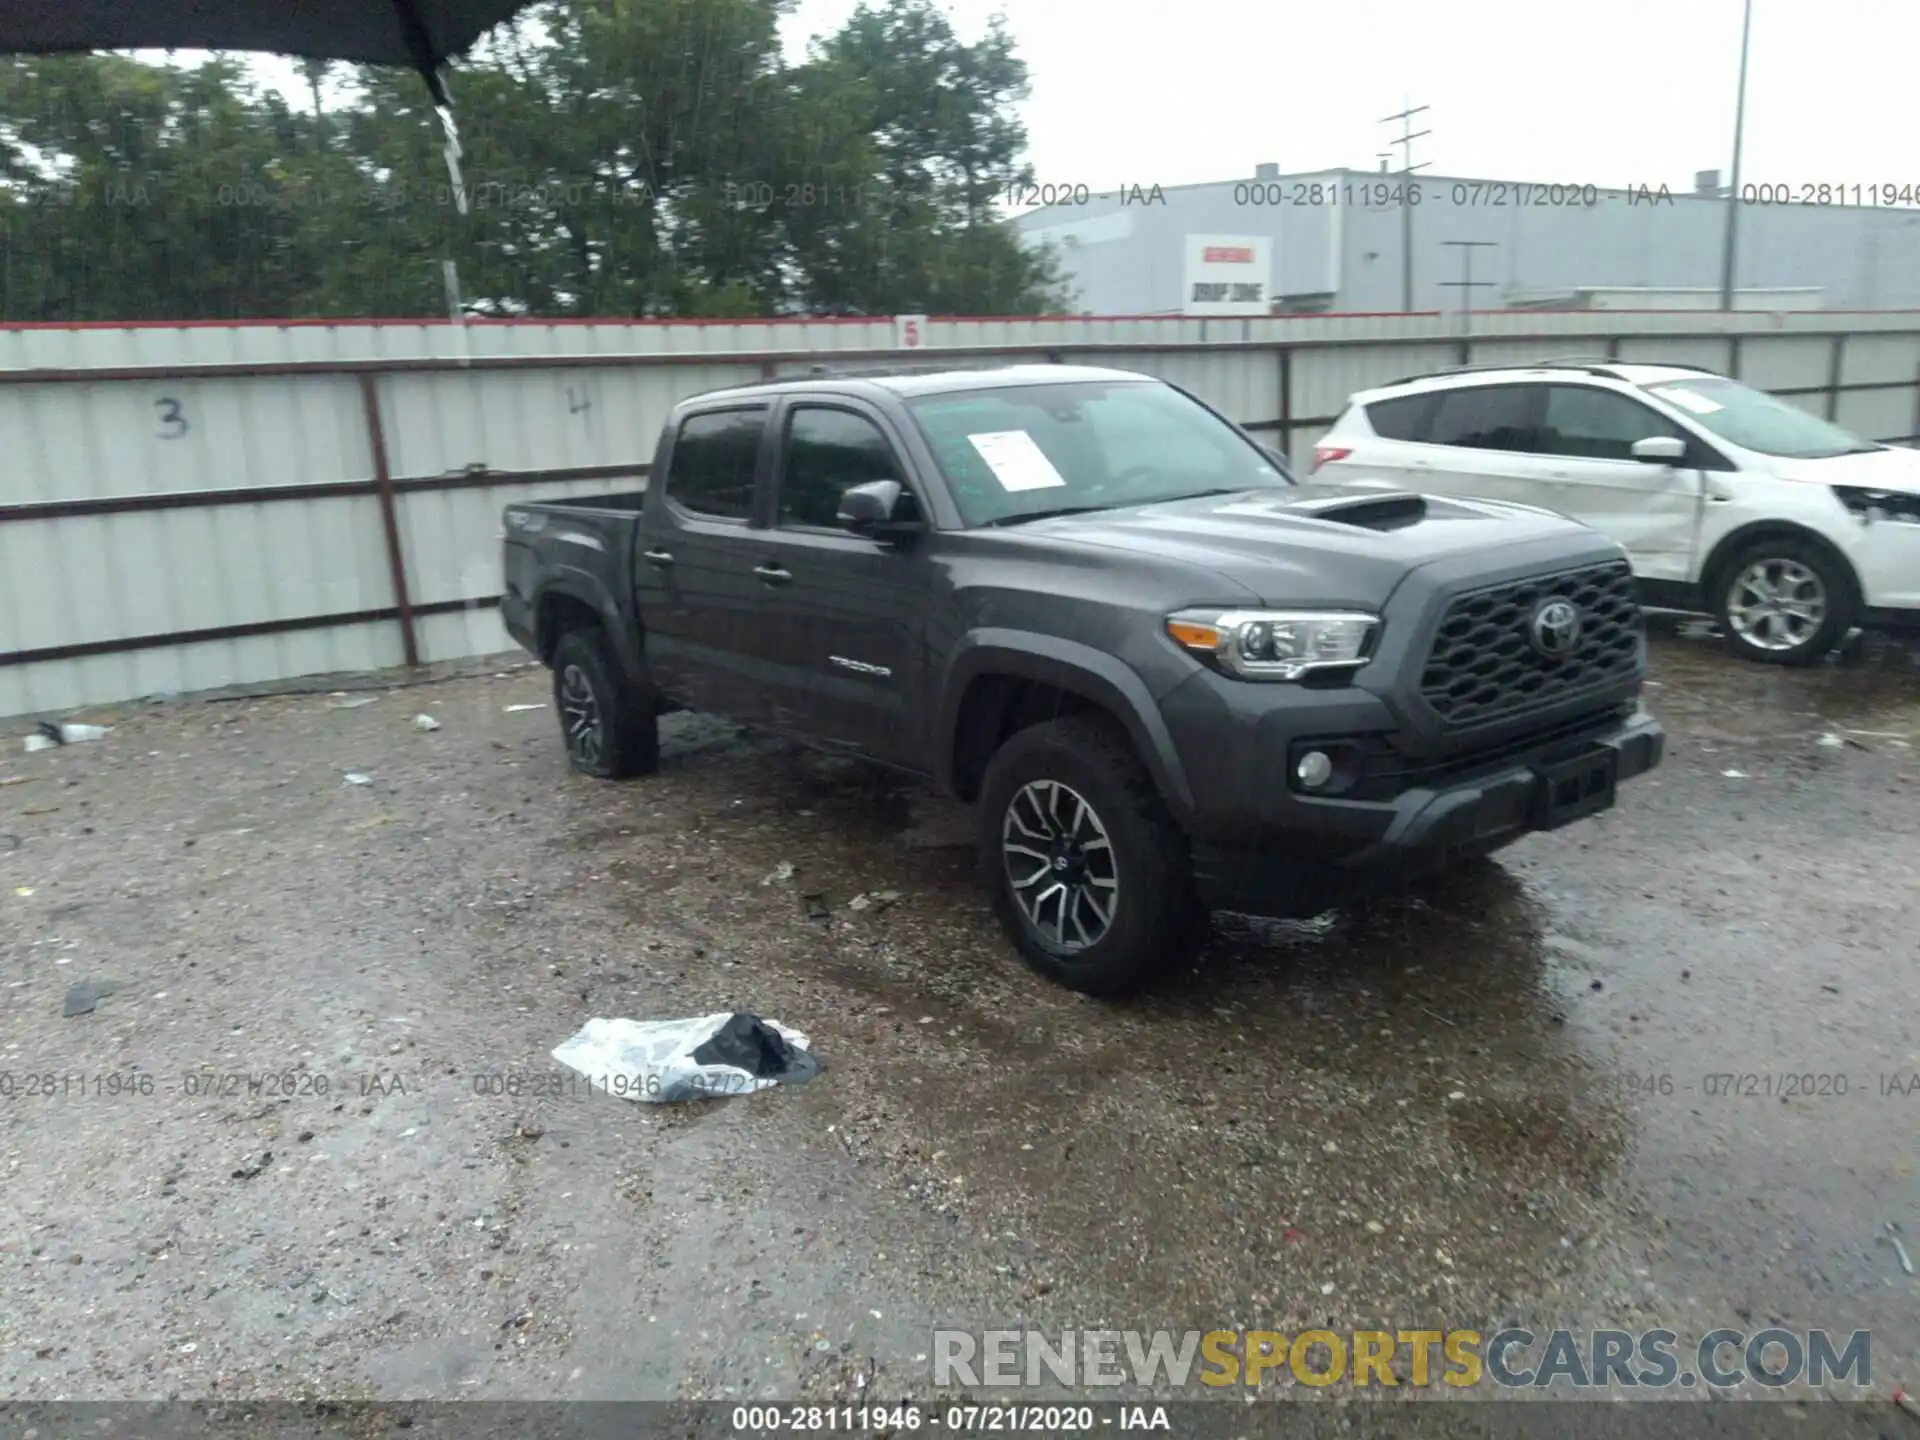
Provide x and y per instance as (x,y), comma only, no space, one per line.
(1316,544)
(1895,469)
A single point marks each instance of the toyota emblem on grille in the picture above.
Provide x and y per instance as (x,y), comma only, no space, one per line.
(1555,629)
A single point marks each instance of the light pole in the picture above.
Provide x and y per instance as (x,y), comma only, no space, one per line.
(1466,284)
(1733,191)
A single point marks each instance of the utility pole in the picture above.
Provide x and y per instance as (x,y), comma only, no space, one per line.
(1733,191)
(1466,284)
(1405,141)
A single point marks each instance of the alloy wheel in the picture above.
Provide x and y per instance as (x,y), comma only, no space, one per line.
(580,715)
(1777,604)
(1059,860)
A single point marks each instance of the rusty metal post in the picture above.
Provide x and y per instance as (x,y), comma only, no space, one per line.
(389,515)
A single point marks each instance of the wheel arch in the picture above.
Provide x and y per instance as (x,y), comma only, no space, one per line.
(575,599)
(1714,573)
(1000,681)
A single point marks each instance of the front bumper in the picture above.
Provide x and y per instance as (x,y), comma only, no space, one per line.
(1261,847)
(1886,556)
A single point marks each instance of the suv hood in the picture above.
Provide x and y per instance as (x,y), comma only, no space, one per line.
(1319,544)
(1895,468)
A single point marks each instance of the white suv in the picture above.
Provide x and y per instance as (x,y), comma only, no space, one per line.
(1727,500)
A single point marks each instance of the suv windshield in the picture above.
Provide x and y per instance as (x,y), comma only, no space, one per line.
(1759,422)
(1031,450)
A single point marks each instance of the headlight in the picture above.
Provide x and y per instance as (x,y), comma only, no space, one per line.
(1276,644)
(1870,505)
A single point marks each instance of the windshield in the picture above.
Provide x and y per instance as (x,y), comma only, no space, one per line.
(1759,422)
(1031,450)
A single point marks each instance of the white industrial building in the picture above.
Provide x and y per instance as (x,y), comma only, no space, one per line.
(1338,240)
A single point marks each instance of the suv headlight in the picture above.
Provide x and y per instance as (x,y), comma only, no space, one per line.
(1896,505)
(1276,644)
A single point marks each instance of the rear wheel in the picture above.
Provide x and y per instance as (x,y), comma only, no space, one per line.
(1089,873)
(1785,602)
(611,731)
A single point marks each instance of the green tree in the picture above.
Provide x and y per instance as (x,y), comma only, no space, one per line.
(621,157)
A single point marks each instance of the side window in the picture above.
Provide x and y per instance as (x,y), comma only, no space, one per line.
(1491,417)
(1594,424)
(827,451)
(711,472)
(1401,419)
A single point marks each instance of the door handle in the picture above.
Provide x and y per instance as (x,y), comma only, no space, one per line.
(658,557)
(773,574)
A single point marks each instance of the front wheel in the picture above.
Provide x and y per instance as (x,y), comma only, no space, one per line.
(612,733)
(1089,874)
(1785,602)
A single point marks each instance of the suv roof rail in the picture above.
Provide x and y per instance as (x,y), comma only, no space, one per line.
(1591,365)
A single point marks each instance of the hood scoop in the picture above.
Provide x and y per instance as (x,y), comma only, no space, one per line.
(1389,510)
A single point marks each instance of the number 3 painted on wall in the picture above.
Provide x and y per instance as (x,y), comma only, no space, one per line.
(170,415)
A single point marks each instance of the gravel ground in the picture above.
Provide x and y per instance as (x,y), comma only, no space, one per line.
(1484,1105)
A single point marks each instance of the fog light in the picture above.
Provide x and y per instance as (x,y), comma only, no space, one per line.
(1314,769)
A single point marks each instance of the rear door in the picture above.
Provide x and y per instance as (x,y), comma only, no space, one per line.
(1586,437)
(839,641)
(1478,441)
(693,575)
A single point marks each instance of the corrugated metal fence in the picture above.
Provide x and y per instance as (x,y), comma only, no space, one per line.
(191,507)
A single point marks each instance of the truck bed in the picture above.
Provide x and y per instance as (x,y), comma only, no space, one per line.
(588,538)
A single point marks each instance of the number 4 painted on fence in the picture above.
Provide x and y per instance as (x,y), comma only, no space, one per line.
(909,332)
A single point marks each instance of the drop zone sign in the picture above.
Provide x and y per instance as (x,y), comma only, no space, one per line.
(1228,275)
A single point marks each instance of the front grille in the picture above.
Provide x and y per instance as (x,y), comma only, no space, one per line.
(1484,667)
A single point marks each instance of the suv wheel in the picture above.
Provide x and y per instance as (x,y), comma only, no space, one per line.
(610,730)
(1088,872)
(1785,602)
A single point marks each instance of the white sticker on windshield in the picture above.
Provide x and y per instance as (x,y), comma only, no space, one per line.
(1687,400)
(1017,463)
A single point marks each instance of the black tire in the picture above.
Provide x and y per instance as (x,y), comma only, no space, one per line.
(1152,915)
(611,730)
(1819,576)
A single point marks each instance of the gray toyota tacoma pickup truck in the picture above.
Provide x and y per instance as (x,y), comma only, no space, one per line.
(1168,678)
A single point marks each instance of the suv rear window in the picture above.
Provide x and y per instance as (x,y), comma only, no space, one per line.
(1401,419)
(711,472)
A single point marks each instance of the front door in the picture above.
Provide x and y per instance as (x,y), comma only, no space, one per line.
(840,638)
(1586,440)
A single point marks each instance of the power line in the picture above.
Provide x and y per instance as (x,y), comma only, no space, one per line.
(1405,141)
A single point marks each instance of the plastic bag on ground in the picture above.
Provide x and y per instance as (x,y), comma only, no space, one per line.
(660,1061)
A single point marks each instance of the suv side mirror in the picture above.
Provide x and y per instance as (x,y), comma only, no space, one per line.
(879,510)
(1660,450)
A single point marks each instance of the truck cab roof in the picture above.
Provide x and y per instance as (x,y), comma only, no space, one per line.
(907,381)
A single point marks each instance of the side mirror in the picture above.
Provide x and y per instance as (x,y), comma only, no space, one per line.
(879,510)
(1660,450)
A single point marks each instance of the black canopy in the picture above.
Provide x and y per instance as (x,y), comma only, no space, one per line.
(419,33)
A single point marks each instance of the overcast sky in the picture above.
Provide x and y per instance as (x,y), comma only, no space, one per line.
(1609,92)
